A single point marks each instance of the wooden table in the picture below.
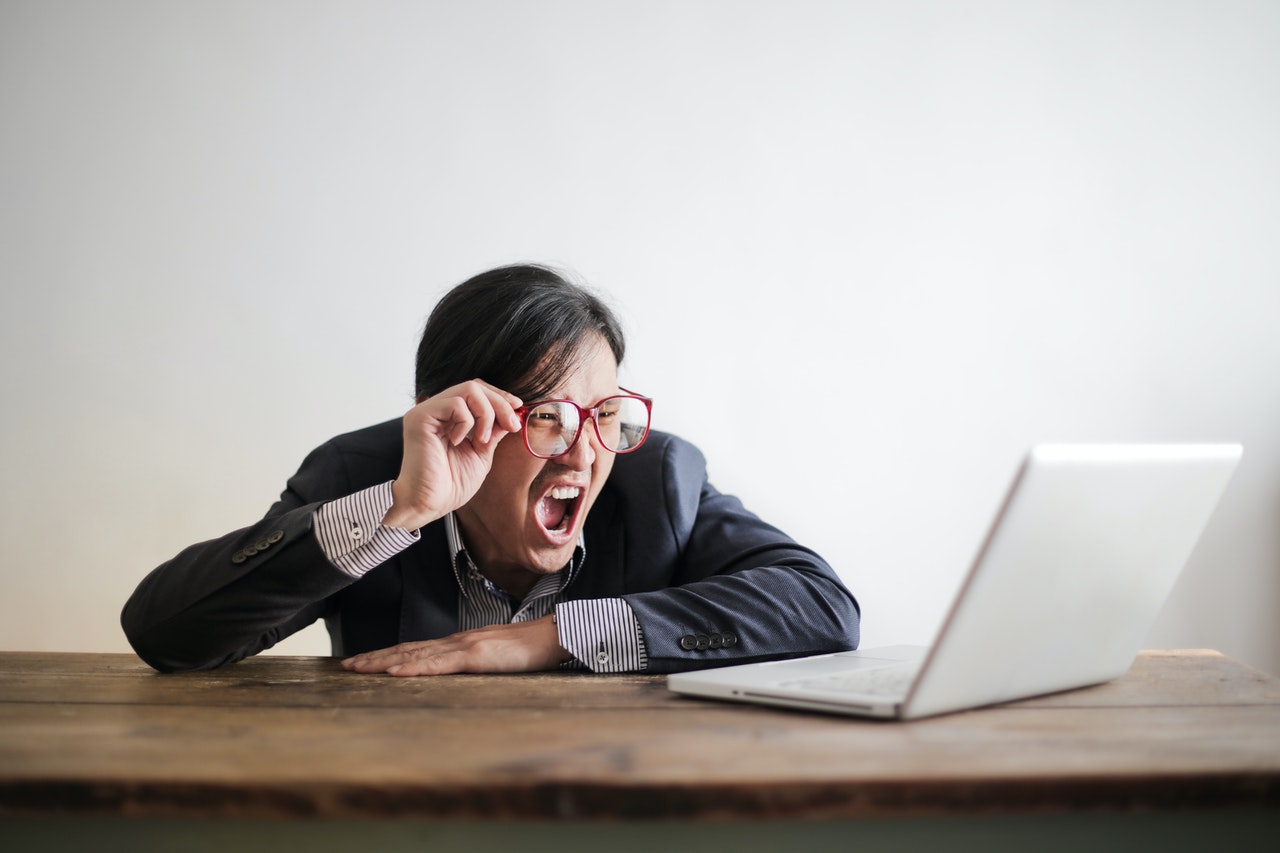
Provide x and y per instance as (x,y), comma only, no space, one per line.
(102,736)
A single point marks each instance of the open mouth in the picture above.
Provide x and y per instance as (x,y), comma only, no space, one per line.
(557,510)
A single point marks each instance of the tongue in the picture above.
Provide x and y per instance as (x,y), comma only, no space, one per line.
(551,512)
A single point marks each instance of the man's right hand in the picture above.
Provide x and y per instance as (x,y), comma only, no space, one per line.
(449,440)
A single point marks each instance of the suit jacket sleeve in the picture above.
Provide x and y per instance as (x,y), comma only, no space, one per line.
(736,582)
(231,597)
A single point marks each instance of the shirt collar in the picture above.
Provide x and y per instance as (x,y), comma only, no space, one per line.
(458,549)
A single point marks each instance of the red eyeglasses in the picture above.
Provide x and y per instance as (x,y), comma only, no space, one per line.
(551,428)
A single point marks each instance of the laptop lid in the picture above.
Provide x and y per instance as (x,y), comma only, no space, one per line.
(1074,571)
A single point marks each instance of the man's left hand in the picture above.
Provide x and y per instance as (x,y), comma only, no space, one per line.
(514,647)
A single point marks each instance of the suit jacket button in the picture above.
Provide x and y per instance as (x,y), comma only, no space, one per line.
(688,642)
(703,642)
(239,557)
(717,640)
(276,536)
(263,545)
(728,640)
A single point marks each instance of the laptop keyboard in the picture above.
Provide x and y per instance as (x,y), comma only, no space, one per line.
(893,680)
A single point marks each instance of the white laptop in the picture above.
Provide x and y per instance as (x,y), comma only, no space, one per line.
(1072,575)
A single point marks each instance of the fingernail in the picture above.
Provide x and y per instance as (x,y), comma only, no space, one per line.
(392,670)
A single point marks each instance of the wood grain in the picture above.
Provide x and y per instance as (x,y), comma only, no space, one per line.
(291,737)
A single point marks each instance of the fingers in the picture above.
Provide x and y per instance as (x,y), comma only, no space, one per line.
(426,658)
(512,647)
(472,409)
(449,442)
(432,657)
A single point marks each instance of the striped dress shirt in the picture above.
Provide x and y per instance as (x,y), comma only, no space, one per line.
(601,634)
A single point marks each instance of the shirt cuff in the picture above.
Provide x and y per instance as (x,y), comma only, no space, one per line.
(603,634)
(351,532)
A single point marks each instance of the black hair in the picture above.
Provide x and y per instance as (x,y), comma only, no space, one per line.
(521,328)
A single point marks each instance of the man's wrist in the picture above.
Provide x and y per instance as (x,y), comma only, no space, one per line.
(400,515)
(351,532)
(602,633)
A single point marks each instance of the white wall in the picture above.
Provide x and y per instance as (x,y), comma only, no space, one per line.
(924,235)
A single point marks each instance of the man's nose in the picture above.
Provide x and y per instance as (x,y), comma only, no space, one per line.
(583,454)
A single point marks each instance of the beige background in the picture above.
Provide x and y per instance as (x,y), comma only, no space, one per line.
(867,252)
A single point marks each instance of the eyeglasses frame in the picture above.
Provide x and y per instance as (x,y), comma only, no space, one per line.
(585,414)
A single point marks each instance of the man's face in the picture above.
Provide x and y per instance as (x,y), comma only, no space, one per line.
(525,520)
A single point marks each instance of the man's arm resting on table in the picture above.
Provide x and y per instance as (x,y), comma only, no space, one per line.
(741,590)
(226,599)
(602,634)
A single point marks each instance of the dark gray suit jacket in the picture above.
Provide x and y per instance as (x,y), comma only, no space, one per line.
(687,559)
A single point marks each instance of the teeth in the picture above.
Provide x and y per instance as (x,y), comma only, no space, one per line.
(565,493)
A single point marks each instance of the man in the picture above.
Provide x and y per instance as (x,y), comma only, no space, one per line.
(521,516)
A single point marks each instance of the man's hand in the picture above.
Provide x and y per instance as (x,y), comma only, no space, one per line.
(449,441)
(515,647)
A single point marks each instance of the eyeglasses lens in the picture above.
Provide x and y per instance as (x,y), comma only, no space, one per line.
(549,428)
(622,423)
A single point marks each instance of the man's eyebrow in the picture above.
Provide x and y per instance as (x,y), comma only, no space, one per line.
(604,397)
